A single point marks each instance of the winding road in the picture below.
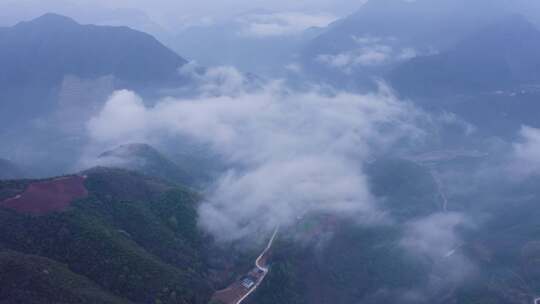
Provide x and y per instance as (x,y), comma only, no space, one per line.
(237,292)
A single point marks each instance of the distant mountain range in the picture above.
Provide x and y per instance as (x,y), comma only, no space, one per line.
(490,78)
(265,55)
(384,34)
(415,24)
(501,57)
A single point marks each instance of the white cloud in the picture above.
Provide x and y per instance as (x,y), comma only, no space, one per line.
(294,152)
(370,52)
(371,56)
(451,119)
(407,53)
(124,115)
(436,240)
(294,68)
(173,14)
(367,39)
(336,61)
(281,24)
(222,80)
(375,55)
(434,236)
(526,158)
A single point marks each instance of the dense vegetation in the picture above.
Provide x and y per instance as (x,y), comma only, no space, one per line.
(339,261)
(351,264)
(135,237)
(407,189)
(146,159)
(348,263)
(31,279)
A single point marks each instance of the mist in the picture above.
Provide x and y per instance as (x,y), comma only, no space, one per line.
(165,13)
(293,152)
(395,145)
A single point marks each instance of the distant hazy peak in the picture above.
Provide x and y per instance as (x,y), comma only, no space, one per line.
(144,159)
(134,149)
(50,19)
(514,22)
(515,27)
(9,170)
(53,46)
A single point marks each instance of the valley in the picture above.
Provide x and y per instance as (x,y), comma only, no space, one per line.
(270,152)
(240,290)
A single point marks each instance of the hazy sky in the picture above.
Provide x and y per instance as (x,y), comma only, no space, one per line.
(168,12)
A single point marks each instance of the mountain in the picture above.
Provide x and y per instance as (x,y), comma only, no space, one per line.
(384,33)
(490,78)
(409,21)
(256,42)
(500,57)
(191,164)
(325,259)
(33,279)
(328,259)
(9,170)
(37,55)
(107,236)
(145,159)
(56,74)
(46,49)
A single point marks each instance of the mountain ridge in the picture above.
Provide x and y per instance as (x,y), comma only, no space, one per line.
(498,57)
(145,159)
(61,46)
(133,237)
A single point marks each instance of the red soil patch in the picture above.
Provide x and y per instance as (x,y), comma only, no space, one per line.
(231,295)
(50,196)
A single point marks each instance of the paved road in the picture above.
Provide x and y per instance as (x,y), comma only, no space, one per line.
(237,293)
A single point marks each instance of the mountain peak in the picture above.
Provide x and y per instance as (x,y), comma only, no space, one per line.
(133,149)
(52,19)
(144,159)
(135,58)
(514,27)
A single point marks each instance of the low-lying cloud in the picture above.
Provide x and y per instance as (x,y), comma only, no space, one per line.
(435,236)
(293,152)
(281,24)
(527,152)
(370,51)
(436,240)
